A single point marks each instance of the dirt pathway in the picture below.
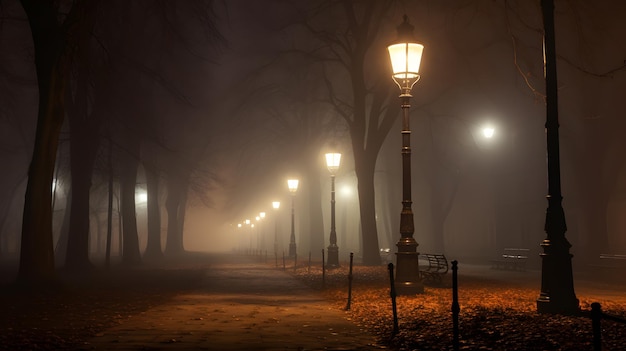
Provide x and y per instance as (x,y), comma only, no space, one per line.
(242,306)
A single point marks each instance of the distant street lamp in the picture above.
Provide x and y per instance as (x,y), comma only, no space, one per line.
(292,184)
(406,56)
(276,206)
(332,162)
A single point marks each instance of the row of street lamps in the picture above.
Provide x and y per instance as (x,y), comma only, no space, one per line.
(333,160)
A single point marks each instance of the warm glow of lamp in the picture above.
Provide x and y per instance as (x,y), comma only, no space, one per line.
(247,221)
(292,184)
(488,132)
(262,215)
(406,57)
(276,205)
(333,160)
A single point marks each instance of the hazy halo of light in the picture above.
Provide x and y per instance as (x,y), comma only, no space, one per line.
(488,131)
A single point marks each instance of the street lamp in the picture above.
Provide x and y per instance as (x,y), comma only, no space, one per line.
(292,184)
(275,206)
(406,57)
(333,160)
(557,281)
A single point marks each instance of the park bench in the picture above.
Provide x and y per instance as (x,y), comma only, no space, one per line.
(610,266)
(437,267)
(511,259)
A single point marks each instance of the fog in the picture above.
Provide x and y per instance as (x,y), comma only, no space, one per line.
(223,105)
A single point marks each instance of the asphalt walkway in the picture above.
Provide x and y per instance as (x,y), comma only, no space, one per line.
(240,306)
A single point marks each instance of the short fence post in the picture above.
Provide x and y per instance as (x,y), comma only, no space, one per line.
(350,283)
(455,306)
(323,270)
(309,269)
(596,324)
(295,261)
(392,293)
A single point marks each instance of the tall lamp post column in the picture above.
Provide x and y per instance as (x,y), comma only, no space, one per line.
(557,282)
(292,184)
(406,56)
(332,162)
(276,206)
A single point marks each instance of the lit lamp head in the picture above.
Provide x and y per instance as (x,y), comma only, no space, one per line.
(262,215)
(333,160)
(276,205)
(406,56)
(292,184)
(488,132)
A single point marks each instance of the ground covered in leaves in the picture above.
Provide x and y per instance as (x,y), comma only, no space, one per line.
(79,307)
(494,315)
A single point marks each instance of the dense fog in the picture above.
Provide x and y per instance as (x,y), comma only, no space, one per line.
(216,104)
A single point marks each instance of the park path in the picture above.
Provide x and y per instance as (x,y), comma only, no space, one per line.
(240,306)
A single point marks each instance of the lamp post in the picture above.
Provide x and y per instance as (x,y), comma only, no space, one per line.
(261,233)
(292,184)
(406,57)
(333,160)
(557,282)
(275,206)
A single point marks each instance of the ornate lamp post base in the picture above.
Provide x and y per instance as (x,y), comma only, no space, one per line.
(557,282)
(292,249)
(333,256)
(408,280)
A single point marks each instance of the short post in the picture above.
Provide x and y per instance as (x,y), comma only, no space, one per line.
(323,270)
(596,324)
(295,261)
(309,268)
(455,307)
(392,293)
(350,283)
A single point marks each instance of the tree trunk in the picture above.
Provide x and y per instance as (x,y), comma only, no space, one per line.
(175,203)
(364,168)
(130,252)
(83,148)
(37,254)
(316,228)
(153,248)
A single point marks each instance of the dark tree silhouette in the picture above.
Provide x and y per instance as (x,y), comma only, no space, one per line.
(54,40)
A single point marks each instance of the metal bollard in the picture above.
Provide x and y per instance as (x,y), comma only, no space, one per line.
(392,293)
(596,324)
(350,283)
(323,270)
(455,307)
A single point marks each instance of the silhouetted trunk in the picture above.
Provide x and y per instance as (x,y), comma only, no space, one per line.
(51,41)
(37,254)
(153,248)
(364,169)
(60,251)
(128,178)
(175,206)
(316,221)
(83,149)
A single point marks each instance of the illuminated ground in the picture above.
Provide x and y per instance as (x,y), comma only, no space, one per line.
(233,303)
